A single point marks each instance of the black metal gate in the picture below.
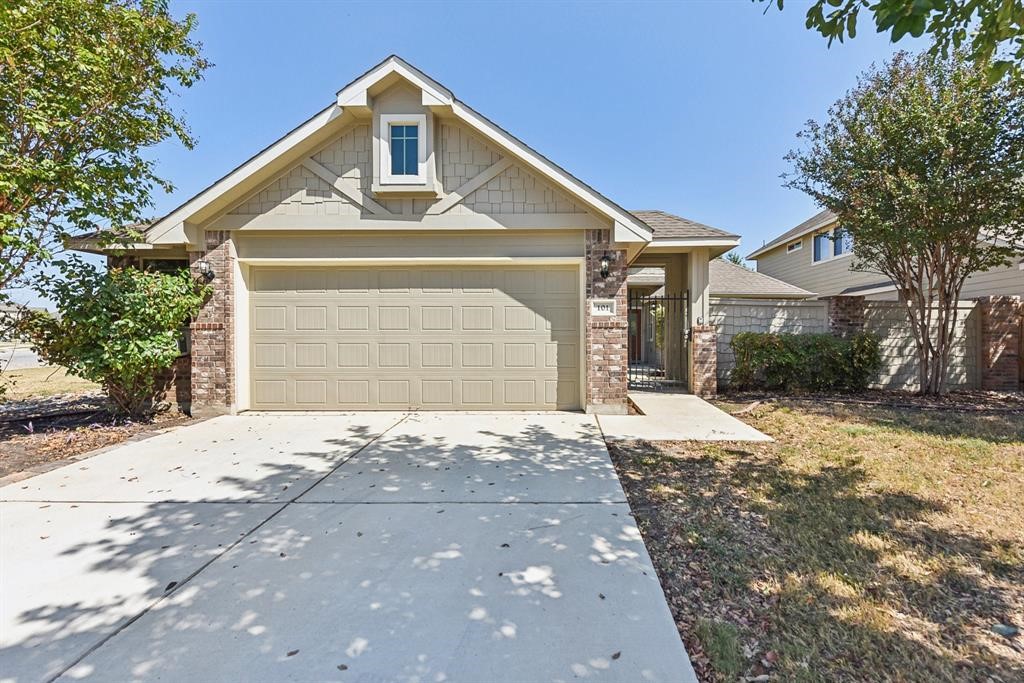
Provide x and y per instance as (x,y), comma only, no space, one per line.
(658,342)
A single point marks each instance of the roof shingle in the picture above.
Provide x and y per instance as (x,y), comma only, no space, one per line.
(728,280)
(668,226)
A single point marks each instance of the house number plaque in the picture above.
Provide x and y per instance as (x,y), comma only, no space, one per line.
(602,307)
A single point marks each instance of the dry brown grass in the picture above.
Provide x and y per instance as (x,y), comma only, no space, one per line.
(46,381)
(864,544)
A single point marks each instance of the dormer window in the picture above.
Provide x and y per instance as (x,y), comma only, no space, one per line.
(403,149)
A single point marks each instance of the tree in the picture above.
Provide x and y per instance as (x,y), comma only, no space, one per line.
(84,89)
(923,163)
(993,29)
(119,328)
(735,258)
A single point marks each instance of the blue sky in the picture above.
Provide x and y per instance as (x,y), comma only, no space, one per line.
(687,107)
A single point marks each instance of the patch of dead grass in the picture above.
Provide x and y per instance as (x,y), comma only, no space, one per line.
(45,381)
(864,544)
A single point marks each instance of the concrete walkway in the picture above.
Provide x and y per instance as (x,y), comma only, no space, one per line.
(359,547)
(676,417)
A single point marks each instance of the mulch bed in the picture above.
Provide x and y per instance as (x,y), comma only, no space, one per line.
(40,434)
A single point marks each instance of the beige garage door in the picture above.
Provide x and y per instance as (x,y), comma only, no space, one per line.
(440,338)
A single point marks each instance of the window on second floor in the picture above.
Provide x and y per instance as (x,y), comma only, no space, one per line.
(404,149)
(794,246)
(402,161)
(832,244)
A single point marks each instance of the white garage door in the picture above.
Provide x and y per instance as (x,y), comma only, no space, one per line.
(440,338)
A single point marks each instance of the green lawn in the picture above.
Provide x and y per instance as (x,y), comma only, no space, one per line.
(864,544)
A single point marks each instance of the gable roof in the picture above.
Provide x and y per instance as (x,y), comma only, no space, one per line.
(815,222)
(355,96)
(667,226)
(729,280)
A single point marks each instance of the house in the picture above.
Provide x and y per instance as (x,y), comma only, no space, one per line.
(398,250)
(810,256)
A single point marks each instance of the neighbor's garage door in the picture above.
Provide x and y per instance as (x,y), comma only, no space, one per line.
(466,338)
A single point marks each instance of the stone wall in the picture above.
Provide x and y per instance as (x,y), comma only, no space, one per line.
(213,374)
(888,321)
(729,317)
(606,352)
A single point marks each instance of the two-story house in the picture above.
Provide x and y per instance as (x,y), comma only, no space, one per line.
(817,256)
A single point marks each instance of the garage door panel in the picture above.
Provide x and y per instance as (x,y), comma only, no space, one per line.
(436,338)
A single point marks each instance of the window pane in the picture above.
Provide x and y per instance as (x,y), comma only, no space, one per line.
(818,244)
(404,150)
(397,158)
(411,154)
(837,243)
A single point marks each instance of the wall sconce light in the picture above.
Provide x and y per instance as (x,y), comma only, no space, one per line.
(205,270)
(605,265)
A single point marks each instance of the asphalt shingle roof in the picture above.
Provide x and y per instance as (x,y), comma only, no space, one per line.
(728,279)
(668,226)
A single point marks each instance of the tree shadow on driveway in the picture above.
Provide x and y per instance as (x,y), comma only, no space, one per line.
(343,582)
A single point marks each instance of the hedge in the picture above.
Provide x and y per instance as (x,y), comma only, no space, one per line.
(809,362)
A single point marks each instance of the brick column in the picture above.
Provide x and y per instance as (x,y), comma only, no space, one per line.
(1001,331)
(174,385)
(606,335)
(704,365)
(213,358)
(846,315)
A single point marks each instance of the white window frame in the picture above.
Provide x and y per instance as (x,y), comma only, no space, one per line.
(794,246)
(388,120)
(830,256)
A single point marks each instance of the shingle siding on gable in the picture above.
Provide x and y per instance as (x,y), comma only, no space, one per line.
(517,191)
(300,193)
(462,155)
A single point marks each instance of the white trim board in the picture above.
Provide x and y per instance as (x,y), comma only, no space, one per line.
(504,221)
(415,261)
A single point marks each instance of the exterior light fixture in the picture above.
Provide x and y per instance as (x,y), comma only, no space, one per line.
(205,270)
(605,265)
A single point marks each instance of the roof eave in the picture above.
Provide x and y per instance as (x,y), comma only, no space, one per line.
(776,243)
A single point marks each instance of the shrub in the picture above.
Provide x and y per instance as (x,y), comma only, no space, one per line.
(119,328)
(811,362)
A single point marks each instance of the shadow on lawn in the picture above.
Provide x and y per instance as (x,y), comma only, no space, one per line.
(844,582)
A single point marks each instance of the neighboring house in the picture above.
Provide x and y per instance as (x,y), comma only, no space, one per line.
(809,256)
(400,251)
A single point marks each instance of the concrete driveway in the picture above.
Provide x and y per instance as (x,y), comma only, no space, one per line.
(363,547)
